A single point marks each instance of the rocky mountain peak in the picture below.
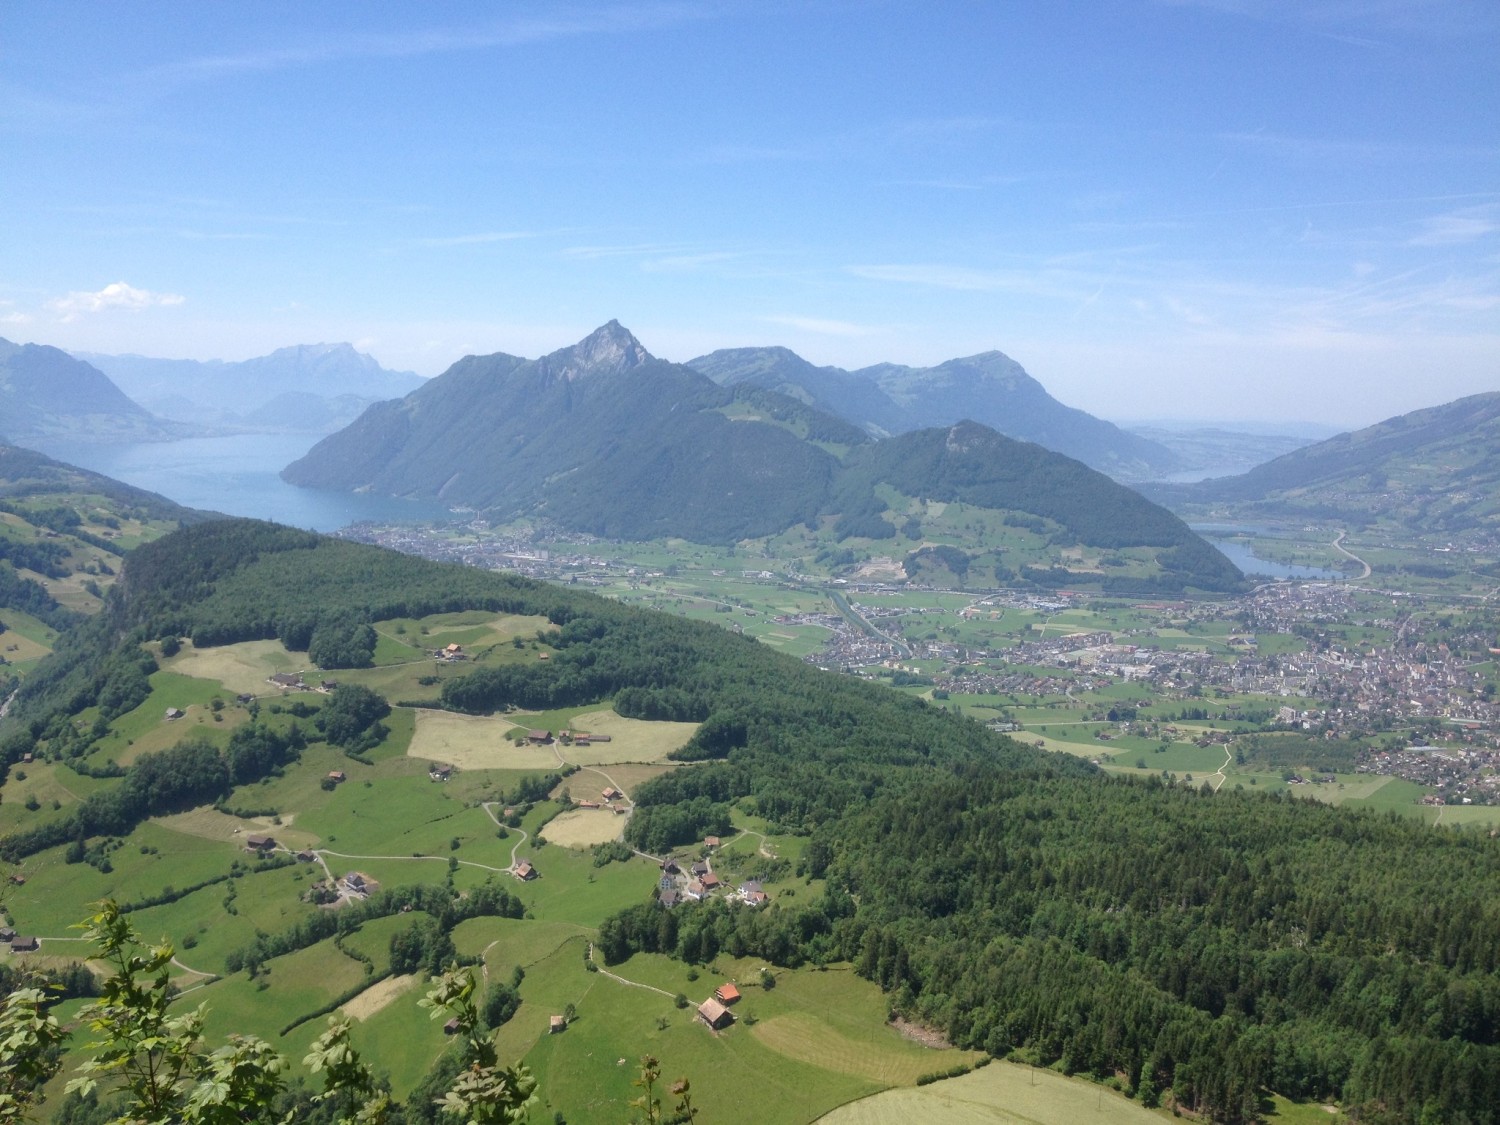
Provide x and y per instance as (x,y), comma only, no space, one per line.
(608,350)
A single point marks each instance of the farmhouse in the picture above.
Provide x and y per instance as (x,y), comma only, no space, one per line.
(715,1014)
(174,713)
(727,993)
(25,945)
(711,841)
(669,897)
(357,882)
(327,686)
(260,844)
(523,870)
(287,680)
(338,777)
(556,1024)
(7,934)
(611,793)
(588,804)
(711,882)
(452,1026)
(539,737)
(440,772)
(244,697)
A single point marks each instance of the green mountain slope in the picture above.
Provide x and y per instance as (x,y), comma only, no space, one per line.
(990,388)
(1215,945)
(603,438)
(45,393)
(1433,471)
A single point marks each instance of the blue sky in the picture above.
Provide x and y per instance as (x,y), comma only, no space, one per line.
(1206,209)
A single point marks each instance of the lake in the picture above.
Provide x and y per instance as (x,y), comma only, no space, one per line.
(238,476)
(1240,553)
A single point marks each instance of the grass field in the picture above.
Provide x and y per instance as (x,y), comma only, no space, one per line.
(241,667)
(583,828)
(1001,1092)
(631,740)
(474,742)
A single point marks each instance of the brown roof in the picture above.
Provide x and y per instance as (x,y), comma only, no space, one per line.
(727,992)
(714,1014)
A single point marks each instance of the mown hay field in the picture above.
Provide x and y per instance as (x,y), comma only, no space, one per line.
(583,828)
(631,740)
(1002,1092)
(242,667)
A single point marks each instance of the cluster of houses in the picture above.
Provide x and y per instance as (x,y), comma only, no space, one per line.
(293,681)
(614,800)
(17,943)
(699,881)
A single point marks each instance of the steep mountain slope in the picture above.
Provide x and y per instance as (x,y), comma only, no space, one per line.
(307,388)
(601,437)
(990,388)
(1435,470)
(45,393)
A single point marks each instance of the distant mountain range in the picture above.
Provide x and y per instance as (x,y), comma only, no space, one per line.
(308,388)
(1435,470)
(990,388)
(604,438)
(46,394)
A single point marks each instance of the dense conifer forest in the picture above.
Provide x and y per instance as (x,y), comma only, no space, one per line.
(1220,945)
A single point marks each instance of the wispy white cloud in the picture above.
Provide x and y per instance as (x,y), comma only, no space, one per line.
(416,42)
(1457,227)
(480,239)
(682,262)
(875,139)
(1343,149)
(117,295)
(636,249)
(822,327)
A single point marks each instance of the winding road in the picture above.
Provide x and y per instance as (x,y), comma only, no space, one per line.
(1338,545)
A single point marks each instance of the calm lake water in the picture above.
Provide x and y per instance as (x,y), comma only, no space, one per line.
(238,476)
(1247,560)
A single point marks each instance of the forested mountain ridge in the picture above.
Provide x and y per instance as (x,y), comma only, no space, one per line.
(990,388)
(47,394)
(311,388)
(602,438)
(1435,470)
(1213,946)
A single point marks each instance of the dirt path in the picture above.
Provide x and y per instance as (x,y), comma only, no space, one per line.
(603,972)
(1338,545)
(1228,757)
(419,859)
(765,848)
(489,807)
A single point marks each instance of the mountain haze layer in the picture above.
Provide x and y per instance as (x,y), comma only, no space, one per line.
(990,388)
(306,388)
(47,394)
(603,438)
(1435,470)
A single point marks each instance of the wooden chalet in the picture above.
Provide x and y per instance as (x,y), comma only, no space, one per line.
(25,944)
(710,882)
(611,793)
(286,680)
(452,1026)
(711,841)
(175,713)
(539,737)
(715,1014)
(7,934)
(260,844)
(556,1024)
(338,777)
(727,993)
(523,870)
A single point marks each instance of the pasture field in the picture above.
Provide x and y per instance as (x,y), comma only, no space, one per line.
(378,996)
(21,648)
(631,740)
(583,828)
(1001,1092)
(209,823)
(45,782)
(239,668)
(473,742)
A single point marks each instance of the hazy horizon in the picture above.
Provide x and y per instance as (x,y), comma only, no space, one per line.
(1243,209)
